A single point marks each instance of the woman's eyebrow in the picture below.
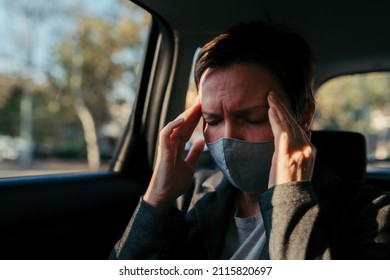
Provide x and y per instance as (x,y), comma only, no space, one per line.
(206,114)
(250,110)
(240,111)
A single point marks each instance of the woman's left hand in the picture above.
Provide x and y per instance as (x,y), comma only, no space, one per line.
(294,155)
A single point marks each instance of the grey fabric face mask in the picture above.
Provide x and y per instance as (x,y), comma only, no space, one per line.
(245,164)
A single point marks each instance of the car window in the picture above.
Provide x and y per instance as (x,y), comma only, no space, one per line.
(359,103)
(68,76)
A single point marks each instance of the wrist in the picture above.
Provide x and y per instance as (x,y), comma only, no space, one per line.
(157,203)
(293,183)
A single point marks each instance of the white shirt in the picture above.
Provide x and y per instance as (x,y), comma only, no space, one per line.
(245,238)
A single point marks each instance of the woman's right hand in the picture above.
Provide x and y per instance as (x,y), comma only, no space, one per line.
(173,173)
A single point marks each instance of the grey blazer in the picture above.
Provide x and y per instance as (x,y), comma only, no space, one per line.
(328,218)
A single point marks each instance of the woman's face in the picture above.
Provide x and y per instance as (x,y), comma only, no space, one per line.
(234,102)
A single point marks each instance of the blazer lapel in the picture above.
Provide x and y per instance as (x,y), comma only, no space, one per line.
(213,213)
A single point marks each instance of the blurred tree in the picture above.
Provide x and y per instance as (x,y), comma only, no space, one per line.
(97,49)
(10,112)
(93,60)
(358,103)
(347,102)
(31,17)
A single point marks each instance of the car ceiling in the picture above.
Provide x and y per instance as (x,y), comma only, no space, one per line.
(346,36)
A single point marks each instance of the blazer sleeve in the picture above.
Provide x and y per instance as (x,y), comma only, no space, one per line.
(356,228)
(147,233)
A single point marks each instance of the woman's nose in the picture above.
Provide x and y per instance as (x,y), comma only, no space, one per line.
(233,130)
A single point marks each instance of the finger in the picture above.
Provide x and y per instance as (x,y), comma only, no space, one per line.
(192,117)
(275,100)
(280,136)
(274,121)
(192,121)
(287,122)
(195,153)
(286,118)
(275,118)
(166,132)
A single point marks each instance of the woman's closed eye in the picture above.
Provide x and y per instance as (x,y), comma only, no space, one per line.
(212,121)
(257,120)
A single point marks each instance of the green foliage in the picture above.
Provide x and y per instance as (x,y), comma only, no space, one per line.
(98,41)
(10,112)
(358,103)
(348,102)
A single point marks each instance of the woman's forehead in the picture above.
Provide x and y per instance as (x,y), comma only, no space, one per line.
(239,83)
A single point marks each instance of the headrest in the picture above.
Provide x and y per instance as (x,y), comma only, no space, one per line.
(344,153)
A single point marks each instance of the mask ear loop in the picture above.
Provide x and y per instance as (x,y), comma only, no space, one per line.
(308,134)
(306,128)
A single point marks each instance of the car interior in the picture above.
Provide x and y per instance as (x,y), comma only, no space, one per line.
(77,216)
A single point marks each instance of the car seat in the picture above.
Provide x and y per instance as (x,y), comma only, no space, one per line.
(343,152)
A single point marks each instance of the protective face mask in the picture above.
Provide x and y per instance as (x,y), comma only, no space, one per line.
(245,164)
